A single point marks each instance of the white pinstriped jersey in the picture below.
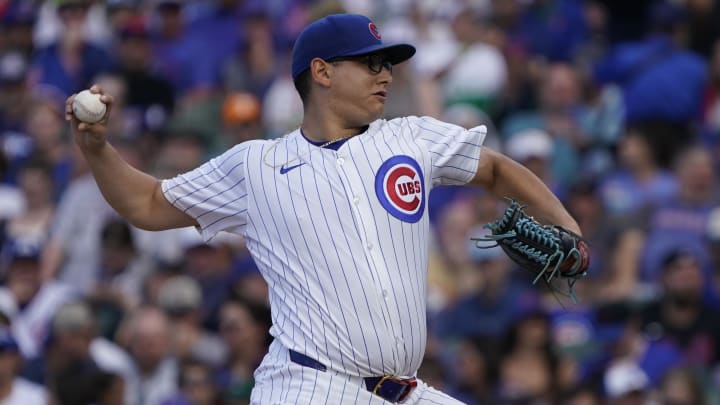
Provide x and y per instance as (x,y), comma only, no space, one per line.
(340,236)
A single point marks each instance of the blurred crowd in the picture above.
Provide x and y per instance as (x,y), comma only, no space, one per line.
(614,104)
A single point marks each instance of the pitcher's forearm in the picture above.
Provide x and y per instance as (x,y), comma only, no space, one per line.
(504,177)
(520,182)
(135,195)
(126,189)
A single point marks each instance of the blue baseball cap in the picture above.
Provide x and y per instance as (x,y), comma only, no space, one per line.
(7,341)
(16,250)
(340,35)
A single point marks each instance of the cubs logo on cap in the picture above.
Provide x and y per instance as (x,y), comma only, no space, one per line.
(374,30)
(400,188)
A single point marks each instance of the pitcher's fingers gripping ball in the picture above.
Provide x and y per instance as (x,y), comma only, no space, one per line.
(549,252)
(87,107)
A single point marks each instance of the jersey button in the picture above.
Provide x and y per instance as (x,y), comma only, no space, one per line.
(356,200)
(385,294)
(340,161)
(369,246)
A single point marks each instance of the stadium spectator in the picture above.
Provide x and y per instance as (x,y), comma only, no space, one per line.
(244,328)
(180,298)
(678,316)
(528,369)
(489,297)
(210,265)
(11,199)
(30,227)
(70,63)
(44,130)
(15,390)
(639,178)
(626,384)
(30,302)
(682,386)
(474,370)
(682,220)
(88,387)
(73,346)
(647,71)
(195,385)
(122,272)
(251,68)
(150,95)
(148,338)
(560,112)
(241,116)
(15,96)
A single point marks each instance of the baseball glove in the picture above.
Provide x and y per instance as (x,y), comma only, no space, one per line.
(549,252)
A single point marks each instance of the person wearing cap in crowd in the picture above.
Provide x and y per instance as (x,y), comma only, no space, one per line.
(683,386)
(51,63)
(534,148)
(150,95)
(656,69)
(176,50)
(334,214)
(683,218)
(147,335)
(17,20)
(121,12)
(209,264)
(15,99)
(640,178)
(625,383)
(31,303)
(195,385)
(181,299)
(241,118)
(74,348)
(488,297)
(121,274)
(11,199)
(251,66)
(31,226)
(244,327)
(680,316)
(15,390)
(529,366)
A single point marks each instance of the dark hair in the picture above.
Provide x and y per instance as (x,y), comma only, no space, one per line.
(82,384)
(674,255)
(116,233)
(39,163)
(259,313)
(665,138)
(692,379)
(4,164)
(302,84)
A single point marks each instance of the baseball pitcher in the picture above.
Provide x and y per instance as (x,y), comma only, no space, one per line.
(335,216)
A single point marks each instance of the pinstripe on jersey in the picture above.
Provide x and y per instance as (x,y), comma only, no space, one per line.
(347,276)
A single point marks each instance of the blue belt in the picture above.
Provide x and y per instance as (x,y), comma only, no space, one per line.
(386,387)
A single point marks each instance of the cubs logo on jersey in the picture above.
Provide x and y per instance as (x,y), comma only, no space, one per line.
(400,188)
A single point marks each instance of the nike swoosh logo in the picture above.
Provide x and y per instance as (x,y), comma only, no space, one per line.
(284,169)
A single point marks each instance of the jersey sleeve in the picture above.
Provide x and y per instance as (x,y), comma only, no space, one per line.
(214,194)
(453,150)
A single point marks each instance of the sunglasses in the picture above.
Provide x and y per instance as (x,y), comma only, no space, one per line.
(375,62)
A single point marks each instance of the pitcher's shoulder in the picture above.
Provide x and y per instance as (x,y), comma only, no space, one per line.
(262,144)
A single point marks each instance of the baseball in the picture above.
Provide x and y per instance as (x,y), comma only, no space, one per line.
(87,107)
